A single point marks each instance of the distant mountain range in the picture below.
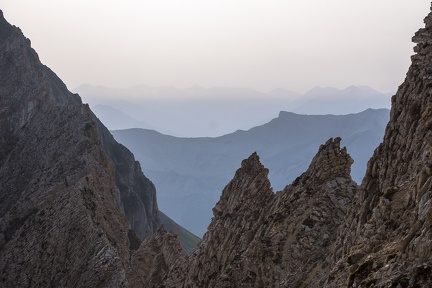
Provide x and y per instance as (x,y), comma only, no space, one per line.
(189,173)
(201,112)
(329,100)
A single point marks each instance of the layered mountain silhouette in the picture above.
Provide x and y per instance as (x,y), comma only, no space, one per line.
(190,172)
(201,112)
(116,119)
(75,202)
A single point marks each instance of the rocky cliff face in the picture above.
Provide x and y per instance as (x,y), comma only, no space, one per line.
(154,259)
(388,238)
(71,197)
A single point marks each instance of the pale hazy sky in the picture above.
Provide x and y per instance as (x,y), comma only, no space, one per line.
(261,44)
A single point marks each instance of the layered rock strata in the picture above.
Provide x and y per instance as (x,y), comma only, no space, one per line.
(71,197)
(154,259)
(387,241)
(261,239)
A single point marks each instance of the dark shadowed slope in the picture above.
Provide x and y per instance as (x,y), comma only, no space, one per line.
(73,200)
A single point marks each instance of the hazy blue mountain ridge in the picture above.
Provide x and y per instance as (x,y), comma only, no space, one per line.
(334,101)
(189,173)
(217,111)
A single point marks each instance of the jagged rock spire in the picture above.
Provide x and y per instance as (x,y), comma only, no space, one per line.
(330,162)
(265,239)
(250,183)
(428,20)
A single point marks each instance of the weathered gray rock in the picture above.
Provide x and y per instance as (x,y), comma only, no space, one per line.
(70,195)
(387,241)
(154,259)
(261,239)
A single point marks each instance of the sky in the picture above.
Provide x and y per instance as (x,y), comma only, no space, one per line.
(258,44)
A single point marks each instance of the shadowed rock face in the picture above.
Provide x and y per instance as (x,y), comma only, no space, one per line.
(153,260)
(69,193)
(388,238)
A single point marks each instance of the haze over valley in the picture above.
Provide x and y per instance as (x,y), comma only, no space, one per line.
(189,173)
(193,139)
(200,112)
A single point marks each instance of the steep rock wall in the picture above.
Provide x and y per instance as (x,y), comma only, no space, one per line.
(70,195)
(387,240)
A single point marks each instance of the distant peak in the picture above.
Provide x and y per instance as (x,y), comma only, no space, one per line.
(284,114)
(320,91)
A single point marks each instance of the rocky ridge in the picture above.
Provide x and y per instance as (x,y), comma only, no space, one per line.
(323,230)
(199,168)
(74,203)
(387,241)
(261,239)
